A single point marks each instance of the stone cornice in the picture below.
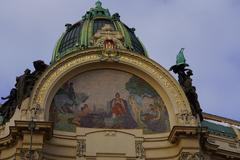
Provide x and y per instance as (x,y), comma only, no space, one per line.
(220,119)
(21,127)
(183,131)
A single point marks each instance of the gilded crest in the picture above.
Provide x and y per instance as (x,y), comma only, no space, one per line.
(108,38)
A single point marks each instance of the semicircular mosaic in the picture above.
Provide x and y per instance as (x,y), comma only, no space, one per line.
(108,99)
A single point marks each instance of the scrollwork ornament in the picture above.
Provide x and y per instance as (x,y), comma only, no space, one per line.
(81,147)
(35,111)
(191,156)
(107,37)
(109,55)
(2,129)
(185,117)
(25,154)
(139,150)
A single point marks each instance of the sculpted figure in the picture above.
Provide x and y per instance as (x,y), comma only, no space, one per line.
(22,85)
(8,108)
(185,80)
(23,88)
(25,83)
(40,67)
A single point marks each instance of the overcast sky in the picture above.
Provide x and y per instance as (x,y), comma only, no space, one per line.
(209,30)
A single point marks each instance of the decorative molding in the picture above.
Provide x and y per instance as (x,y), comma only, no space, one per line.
(185,117)
(109,55)
(21,127)
(81,147)
(211,140)
(65,65)
(233,145)
(108,38)
(191,156)
(2,129)
(162,76)
(179,131)
(220,119)
(36,154)
(214,145)
(140,153)
(110,133)
(35,111)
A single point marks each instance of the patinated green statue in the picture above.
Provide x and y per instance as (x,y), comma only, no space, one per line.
(185,80)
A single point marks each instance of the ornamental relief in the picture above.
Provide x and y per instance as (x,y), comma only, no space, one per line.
(81,148)
(107,38)
(140,150)
(47,81)
(26,154)
(191,156)
(2,130)
(185,117)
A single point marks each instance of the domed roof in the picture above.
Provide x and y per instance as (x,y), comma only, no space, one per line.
(96,28)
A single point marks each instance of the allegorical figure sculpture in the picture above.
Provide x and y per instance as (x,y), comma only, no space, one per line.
(22,84)
(185,80)
(8,107)
(40,67)
(23,88)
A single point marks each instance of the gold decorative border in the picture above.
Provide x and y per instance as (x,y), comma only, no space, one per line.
(159,74)
(79,59)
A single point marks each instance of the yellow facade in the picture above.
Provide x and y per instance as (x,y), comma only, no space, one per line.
(185,139)
(93,143)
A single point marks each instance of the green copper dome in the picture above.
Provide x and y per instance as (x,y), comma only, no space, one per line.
(89,32)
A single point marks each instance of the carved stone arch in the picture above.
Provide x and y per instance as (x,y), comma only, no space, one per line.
(76,63)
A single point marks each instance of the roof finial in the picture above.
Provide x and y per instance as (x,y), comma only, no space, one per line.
(98,4)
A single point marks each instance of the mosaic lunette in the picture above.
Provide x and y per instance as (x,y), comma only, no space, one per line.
(108,99)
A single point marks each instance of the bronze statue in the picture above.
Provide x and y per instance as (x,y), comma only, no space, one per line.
(8,108)
(40,67)
(24,85)
(185,80)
